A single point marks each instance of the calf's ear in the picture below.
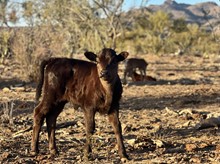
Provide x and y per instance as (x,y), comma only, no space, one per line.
(122,56)
(90,55)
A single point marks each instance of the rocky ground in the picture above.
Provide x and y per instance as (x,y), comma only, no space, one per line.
(172,120)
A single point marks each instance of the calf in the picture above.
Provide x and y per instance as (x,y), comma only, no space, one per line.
(132,64)
(137,77)
(95,87)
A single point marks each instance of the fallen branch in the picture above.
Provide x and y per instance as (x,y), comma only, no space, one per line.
(59,126)
(21,132)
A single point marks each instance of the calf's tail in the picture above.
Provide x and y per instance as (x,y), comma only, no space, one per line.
(41,79)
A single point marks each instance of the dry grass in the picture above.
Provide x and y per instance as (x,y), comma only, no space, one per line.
(159,119)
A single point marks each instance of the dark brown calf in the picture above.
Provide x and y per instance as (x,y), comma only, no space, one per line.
(132,64)
(137,77)
(95,87)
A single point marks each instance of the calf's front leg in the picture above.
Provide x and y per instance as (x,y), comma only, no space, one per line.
(89,116)
(114,120)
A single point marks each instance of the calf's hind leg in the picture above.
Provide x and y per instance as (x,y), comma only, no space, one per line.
(51,118)
(38,121)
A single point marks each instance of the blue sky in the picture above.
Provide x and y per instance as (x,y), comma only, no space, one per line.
(128,4)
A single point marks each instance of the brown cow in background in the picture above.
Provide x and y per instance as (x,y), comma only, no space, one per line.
(95,87)
(134,64)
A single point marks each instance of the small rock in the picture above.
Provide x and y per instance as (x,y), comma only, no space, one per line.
(186,111)
(170,112)
(190,147)
(158,143)
(6,89)
(131,142)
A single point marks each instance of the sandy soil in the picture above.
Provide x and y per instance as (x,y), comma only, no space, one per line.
(172,120)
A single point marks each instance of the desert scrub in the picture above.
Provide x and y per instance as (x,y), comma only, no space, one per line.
(31,46)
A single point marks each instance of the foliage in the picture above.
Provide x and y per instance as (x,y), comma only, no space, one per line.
(7,15)
(179,25)
(6,37)
(157,33)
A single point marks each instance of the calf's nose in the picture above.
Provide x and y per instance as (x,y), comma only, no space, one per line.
(103,73)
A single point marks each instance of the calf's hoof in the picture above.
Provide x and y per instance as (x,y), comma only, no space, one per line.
(33,153)
(53,152)
(125,159)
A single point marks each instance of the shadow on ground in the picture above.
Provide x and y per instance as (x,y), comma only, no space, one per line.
(192,101)
(14,82)
(182,81)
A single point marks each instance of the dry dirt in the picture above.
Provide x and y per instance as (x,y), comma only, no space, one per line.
(172,120)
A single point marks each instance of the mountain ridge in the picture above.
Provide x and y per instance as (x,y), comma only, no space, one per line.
(204,13)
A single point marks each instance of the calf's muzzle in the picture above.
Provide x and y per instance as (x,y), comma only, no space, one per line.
(104,74)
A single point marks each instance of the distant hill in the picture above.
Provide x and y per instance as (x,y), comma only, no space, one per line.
(192,13)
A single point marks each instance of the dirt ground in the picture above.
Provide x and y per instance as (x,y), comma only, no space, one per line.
(172,120)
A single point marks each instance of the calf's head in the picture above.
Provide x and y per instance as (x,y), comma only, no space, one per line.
(107,62)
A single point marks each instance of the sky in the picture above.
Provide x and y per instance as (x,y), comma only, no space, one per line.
(137,3)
